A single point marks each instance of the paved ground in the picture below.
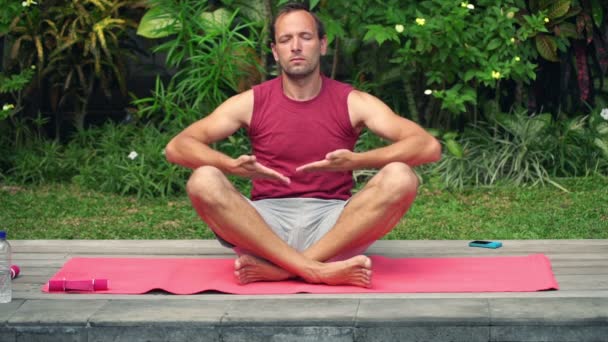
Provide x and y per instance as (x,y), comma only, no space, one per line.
(577,312)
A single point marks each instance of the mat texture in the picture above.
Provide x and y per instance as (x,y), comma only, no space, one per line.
(188,276)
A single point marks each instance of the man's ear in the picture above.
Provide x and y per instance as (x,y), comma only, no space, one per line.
(323,45)
(274,51)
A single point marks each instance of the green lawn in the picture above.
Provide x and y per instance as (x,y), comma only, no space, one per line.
(67,212)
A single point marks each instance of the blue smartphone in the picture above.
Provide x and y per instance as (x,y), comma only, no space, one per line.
(485,244)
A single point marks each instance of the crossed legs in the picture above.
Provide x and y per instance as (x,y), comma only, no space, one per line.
(369,215)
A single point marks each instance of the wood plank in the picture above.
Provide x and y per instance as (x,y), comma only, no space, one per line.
(38,256)
(579,265)
(160,247)
(581,270)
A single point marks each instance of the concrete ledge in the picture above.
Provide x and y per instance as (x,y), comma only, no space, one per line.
(362,320)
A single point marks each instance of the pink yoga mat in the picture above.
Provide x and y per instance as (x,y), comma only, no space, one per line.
(188,276)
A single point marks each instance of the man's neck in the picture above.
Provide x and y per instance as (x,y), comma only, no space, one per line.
(302,89)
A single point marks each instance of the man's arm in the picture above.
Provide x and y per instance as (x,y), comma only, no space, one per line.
(411,144)
(190,148)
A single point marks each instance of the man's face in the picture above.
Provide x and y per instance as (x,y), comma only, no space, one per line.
(298,47)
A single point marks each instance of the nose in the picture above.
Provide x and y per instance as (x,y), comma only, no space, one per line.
(296,44)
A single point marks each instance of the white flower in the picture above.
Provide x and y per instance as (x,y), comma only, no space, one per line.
(467,5)
(420,21)
(428,92)
(399,28)
(132,155)
(604,114)
(7,106)
(28,3)
(496,74)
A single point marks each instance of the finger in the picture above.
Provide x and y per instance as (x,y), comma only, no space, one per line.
(245,159)
(270,173)
(321,164)
(336,154)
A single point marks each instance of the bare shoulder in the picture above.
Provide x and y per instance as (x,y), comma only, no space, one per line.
(363,106)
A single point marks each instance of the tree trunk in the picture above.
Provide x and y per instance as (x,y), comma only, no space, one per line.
(265,38)
(411,99)
(334,66)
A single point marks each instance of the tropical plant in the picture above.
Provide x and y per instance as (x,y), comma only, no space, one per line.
(11,85)
(455,50)
(520,149)
(214,52)
(575,36)
(78,47)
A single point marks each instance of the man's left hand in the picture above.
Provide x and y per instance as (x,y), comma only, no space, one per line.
(338,160)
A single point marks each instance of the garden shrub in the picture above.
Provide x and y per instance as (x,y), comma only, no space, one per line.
(128,159)
(522,150)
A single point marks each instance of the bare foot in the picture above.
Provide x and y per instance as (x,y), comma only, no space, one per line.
(355,271)
(249,269)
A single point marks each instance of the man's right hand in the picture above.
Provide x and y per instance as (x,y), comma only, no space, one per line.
(248,167)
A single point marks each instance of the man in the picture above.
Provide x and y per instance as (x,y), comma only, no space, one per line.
(301,221)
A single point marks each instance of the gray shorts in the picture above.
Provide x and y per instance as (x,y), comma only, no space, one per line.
(299,221)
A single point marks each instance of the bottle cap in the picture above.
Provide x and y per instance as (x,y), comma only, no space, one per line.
(2,235)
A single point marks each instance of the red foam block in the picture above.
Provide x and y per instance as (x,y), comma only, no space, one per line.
(78,285)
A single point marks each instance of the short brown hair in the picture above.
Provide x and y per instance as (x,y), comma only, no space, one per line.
(292,7)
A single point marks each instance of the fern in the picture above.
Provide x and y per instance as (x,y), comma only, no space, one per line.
(13,83)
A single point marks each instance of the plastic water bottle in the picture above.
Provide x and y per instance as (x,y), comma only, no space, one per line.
(6,290)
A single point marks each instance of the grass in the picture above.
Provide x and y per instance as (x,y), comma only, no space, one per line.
(61,211)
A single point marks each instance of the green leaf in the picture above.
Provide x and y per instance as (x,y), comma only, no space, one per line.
(380,34)
(568,30)
(454,148)
(313,4)
(558,8)
(253,10)
(469,95)
(539,123)
(602,145)
(602,129)
(494,44)
(434,132)
(547,47)
(218,18)
(450,136)
(597,12)
(333,29)
(156,23)
(469,74)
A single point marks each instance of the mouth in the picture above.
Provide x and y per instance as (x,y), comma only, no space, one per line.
(297,59)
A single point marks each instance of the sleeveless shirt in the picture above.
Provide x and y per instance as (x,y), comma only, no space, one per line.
(285,134)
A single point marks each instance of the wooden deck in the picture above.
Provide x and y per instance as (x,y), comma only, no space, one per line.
(580,266)
(581,304)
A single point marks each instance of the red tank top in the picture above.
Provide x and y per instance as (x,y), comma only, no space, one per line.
(286,134)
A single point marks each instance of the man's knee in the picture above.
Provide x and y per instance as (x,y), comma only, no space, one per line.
(398,181)
(206,183)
